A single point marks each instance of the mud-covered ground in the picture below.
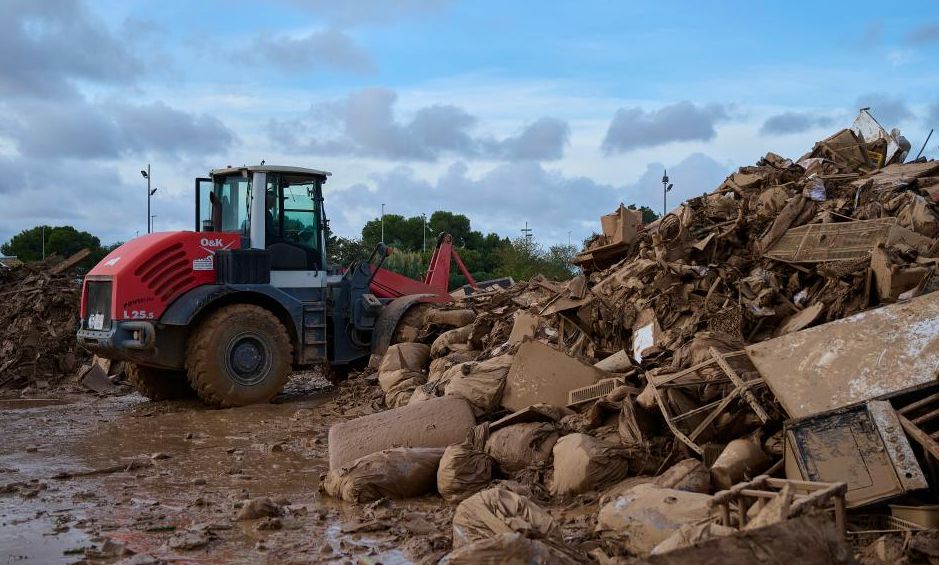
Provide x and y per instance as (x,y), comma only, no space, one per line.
(120,479)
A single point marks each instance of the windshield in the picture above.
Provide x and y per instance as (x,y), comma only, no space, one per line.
(224,204)
(294,210)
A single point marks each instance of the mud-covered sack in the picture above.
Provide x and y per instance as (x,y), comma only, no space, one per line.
(520,446)
(465,469)
(410,356)
(439,366)
(500,511)
(690,534)
(389,379)
(688,474)
(647,515)
(583,463)
(453,340)
(741,458)
(427,391)
(452,318)
(400,394)
(511,548)
(481,384)
(401,472)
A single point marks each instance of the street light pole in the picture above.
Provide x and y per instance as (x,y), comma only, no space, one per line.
(146,175)
(149,218)
(666,187)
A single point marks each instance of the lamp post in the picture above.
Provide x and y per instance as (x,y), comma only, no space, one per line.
(146,175)
(666,187)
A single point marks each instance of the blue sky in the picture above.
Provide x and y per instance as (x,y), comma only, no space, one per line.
(545,112)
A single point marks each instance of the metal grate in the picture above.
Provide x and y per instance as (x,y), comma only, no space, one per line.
(816,243)
(594,391)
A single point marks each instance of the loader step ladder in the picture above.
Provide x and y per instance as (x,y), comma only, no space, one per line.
(314,332)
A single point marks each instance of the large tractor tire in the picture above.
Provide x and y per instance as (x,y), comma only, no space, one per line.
(158,384)
(239,355)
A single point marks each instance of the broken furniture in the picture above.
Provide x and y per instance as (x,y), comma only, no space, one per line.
(868,355)
(804,496)
(705,415)
(862,445)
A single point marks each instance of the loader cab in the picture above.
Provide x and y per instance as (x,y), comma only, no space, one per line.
(279,209)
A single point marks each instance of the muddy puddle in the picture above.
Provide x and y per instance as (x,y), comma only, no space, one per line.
(95,480)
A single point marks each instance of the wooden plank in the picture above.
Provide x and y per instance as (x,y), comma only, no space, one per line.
(927,417)
(919,404)
(693,369)
(668,420)
(67,264)
(743,386)
(921,437)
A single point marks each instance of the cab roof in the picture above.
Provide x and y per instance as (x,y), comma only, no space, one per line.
(270,169)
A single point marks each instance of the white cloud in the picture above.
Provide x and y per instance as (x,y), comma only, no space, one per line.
(633,128)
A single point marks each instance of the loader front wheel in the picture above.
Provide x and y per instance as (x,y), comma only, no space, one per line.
(239,355)
(158,384)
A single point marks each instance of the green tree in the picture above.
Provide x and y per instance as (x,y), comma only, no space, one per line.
(400,232)
(648,214)
(343,251)
(456,225)
(524,258)
(60,240)
(558,261)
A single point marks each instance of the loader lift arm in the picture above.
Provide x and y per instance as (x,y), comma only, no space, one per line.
(388,284)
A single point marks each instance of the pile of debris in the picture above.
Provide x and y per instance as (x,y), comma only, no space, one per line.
(39,307)
(759,364)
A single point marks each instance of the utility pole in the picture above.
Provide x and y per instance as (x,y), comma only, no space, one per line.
(666,187)
(568,239)
(527,232)
(424,232)
(146,175)
(383,222)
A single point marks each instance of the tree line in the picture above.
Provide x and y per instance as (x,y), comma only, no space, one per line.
(35,243)
(486,256)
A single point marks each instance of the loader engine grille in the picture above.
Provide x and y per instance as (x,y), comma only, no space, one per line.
(167,273)
(97,306)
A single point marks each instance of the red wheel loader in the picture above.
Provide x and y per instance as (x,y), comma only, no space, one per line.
(229,309)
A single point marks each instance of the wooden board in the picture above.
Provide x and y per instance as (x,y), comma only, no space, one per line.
(858,358)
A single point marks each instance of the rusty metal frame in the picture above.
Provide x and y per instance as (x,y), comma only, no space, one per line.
(742,389)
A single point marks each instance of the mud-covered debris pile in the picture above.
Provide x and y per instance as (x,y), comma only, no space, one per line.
(39,307)
(654,392)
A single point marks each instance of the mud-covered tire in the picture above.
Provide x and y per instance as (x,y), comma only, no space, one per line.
(410,324)
(158,384)
(239,355)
